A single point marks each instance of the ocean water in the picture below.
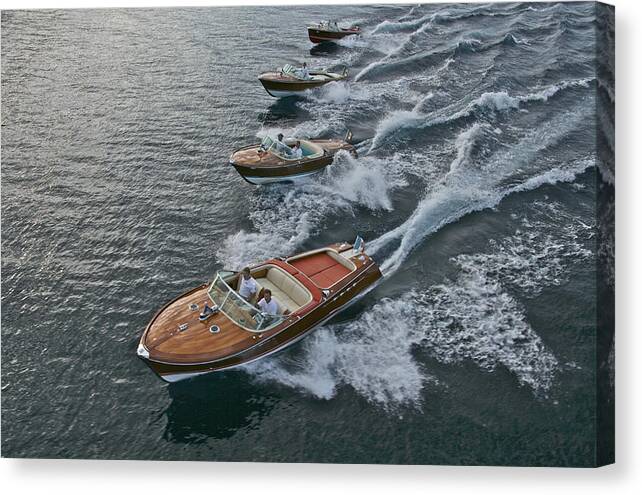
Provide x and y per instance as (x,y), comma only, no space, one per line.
(483,172)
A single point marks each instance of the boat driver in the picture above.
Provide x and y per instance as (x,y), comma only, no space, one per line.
(303,72)
(247,287)
(283,148)
(268,305)
(297,152)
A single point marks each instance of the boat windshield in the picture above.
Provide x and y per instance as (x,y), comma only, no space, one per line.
(238,309)
(330,26)
(278,148)
(301,73)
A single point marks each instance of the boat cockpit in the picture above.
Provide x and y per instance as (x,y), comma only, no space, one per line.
(329,26)
(300,74)
(289,294)
(284,151)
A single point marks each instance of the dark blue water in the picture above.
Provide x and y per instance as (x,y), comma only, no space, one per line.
(482,160)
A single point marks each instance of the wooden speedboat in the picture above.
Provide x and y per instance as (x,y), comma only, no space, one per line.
(274,161)
(289,81)
(329,31)
(182,340)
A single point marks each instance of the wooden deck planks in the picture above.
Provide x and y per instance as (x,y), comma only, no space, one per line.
(165,340)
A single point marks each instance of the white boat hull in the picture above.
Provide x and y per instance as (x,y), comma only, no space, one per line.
(284,94)
(286,178)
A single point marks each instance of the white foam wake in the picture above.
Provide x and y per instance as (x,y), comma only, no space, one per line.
(371,354)
(421,25)
(538,255)
(286,215)
(492,101)
(471,317)
(469,187)
(387,26)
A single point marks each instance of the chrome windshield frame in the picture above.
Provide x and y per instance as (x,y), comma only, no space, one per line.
(266,143)
(279,149)
(263,322)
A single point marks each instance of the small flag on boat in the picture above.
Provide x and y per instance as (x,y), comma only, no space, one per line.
(359,245)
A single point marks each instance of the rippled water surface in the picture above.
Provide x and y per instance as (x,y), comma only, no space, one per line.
(475,190)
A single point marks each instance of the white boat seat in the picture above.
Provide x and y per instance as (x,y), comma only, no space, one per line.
(311,150)
(288,292)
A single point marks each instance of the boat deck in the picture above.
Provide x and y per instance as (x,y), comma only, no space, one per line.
(321,268)
(166,342)
(249,157)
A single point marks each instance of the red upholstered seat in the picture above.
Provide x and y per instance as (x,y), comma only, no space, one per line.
(322,281)
(322,269)
(314,290)
(335,272)
(313,264)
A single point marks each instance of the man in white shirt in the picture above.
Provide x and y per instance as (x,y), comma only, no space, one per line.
(297,152)
(268,305)
(283,148)
(303,72)
(247,287)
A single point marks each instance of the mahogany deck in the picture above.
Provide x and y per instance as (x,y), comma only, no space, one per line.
(249,156)
(166,342)
(317,78)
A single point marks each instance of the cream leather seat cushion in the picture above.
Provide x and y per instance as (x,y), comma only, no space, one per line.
(276,276)
(342,260)
(282,299)
(287,291)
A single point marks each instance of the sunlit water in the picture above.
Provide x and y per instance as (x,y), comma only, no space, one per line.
(475,190)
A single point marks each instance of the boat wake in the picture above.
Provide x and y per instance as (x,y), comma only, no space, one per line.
(491,101)
(423,25)
(476,314)
(405,54)
(470,187)
(387,26)
(472,317)
(285,216)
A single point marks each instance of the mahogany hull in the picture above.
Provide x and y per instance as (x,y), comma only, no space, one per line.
(294,329)
(257,173)
(284,88)
(287,173)
(321,35)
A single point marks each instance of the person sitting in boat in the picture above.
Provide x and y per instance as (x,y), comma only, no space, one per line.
(247,287)
(283,148)
(268,305)
(297,152)
(303,72)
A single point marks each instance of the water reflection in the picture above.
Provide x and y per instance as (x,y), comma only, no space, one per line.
(324,49)
(214,406)
(283,110)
